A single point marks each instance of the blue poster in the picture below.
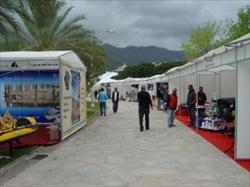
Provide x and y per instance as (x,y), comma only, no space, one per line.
(30,93)
(75,86)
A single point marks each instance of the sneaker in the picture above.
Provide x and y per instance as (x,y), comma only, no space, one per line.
(173,125)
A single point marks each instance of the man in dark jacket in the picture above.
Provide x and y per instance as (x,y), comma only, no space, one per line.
(191,101)
(201,101)
(159,95)
(144,102)
(115,100)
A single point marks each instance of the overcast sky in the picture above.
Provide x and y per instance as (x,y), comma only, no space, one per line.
(161,23)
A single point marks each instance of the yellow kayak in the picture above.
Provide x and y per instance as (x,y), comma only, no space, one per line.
(19,131)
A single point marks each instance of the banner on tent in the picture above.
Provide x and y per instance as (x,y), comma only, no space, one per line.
(30,94)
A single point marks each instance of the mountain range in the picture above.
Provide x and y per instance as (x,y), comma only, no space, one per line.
(136,55)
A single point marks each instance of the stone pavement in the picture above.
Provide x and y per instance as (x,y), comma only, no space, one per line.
(111,151)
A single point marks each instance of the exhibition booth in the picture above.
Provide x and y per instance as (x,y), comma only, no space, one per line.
(224,74)
(48,87)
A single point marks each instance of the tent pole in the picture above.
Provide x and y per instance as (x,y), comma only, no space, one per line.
(180,89)
(214,84)
(197,86)
(184,83)
(219,83)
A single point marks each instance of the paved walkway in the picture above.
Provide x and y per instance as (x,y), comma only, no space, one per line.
(112,152)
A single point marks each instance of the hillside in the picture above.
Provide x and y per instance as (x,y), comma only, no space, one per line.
(136,55)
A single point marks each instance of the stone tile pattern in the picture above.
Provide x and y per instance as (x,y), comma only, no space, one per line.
(111,151)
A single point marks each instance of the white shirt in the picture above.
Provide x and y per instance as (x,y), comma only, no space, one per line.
(115,96)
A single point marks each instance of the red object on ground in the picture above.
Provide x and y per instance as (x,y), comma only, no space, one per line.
(220,140)
(40,137)
(182,112)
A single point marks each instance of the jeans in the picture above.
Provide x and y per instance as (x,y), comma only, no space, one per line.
(170,117)
(103,108)
(143,111)
(158,103)
(191,112)
(115,106)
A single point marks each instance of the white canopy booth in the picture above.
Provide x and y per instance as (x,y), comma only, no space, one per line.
(226,72)
(47,85)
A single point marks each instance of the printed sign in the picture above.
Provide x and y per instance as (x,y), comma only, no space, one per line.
(30,93)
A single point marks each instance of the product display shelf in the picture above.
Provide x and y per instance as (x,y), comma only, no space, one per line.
(212,124)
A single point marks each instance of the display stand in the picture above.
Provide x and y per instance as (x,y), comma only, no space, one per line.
(212,124)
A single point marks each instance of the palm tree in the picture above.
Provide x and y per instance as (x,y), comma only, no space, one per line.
(7,20)
(46,26)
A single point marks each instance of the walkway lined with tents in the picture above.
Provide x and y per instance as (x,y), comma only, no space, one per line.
(225,75)
(112,151)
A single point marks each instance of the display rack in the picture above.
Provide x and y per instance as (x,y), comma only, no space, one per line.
(212,124)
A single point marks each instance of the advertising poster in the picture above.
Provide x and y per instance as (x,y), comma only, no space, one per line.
(75,89)
(73,103)
(30,93)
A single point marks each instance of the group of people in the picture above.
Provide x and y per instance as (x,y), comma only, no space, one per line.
(191,103)
(145,103)
(103,97)
(172,102)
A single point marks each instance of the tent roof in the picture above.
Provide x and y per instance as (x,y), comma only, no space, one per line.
(106,77)
(245,39)
(174,69)
(31,60)
(217,70)
(32,55)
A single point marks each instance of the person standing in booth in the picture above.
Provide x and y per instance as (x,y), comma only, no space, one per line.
(159,95)
(201,102)
(115,100)
(171,107)
(191,101)
(144,102)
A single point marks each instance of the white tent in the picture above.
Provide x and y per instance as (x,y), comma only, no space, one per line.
(230,67)
(48,85)
(106,78)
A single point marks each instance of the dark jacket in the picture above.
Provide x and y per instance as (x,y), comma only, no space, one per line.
(201,98)
(144,99)
(159,93)
(191,99)
(113,97)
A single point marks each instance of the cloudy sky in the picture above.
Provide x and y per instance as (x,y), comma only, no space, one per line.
(164,23)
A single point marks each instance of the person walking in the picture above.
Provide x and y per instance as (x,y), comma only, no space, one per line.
(201,102)
(171,107)
(96,93)
(159,95)
(102,98)
(144,103)
(191,101)
(115,100)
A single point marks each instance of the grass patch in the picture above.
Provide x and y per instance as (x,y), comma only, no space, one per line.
(17,152)
(92,110)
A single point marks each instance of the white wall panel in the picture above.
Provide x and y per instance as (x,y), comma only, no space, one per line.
(243,112)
